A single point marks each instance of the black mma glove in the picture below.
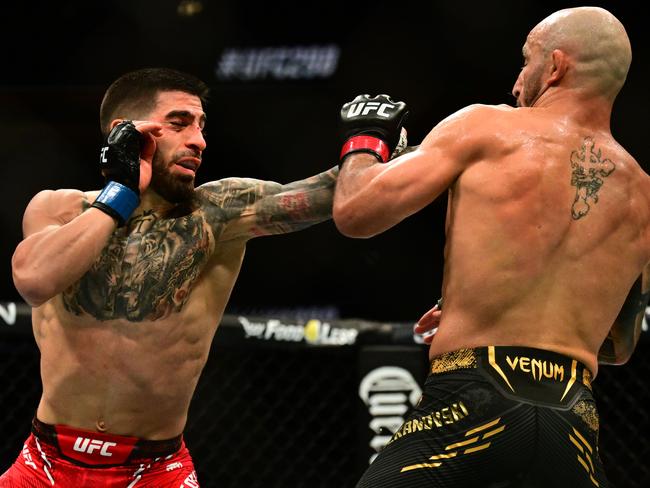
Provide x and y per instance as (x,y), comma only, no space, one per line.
(372,125)
(119,161)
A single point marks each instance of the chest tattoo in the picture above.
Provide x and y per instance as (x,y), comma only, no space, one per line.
(145,272)
(589,168)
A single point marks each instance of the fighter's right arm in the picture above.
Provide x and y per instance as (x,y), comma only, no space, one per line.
(624,334)
(372,196)
(251,208)
(61,242)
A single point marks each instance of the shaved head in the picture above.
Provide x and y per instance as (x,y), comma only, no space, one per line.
(595,40)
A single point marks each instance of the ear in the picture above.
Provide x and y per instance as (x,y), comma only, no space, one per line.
(114,123)
(559,66)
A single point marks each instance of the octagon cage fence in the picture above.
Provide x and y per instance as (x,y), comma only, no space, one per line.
(307,402)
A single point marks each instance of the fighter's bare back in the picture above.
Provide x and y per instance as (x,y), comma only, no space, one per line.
(546,201)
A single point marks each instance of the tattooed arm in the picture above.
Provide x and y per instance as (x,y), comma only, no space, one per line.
(61,242)
(254,208)
(624,334)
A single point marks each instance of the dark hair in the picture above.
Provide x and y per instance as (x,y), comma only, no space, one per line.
(134,94)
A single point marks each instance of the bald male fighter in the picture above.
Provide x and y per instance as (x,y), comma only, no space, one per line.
(129,284)
(548,231)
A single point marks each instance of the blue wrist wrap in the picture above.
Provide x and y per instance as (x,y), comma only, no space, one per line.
(118,201)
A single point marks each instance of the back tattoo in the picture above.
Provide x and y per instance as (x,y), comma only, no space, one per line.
(588,170)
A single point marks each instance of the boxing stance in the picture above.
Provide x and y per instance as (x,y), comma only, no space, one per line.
(547,232)
(128,285)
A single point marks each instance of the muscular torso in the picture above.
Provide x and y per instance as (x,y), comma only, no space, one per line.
(123,348)
(545,236)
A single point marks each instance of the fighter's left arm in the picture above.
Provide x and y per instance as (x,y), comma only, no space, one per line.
(624,334)
(253,208)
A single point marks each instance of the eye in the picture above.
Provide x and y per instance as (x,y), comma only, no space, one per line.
(177,124)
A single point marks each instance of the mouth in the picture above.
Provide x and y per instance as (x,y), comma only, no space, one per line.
(189,164)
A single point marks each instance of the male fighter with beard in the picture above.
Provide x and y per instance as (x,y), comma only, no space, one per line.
(128,285)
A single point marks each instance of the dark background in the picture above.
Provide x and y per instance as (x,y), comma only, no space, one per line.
(59,57)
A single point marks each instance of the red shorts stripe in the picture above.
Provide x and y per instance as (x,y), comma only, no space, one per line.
(40,464)
(92,448)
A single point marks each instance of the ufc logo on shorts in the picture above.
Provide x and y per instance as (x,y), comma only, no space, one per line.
(364,108)
(83,444)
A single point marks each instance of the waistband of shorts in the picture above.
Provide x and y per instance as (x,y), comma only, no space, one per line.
(536,374)
(97,449)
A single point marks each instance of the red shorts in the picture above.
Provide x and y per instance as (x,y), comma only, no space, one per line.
(66,457)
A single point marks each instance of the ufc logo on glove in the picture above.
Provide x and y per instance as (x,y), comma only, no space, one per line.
(372,125)
(364,108)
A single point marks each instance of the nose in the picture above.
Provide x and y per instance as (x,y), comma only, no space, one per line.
(196,140)
(516,89)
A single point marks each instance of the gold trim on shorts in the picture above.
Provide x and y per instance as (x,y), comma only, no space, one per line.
(452,361)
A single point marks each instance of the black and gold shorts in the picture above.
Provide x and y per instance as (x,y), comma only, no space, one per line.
(496,417)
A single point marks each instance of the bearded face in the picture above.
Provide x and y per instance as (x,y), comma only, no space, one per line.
(532,86)
(174,187)
(179,144)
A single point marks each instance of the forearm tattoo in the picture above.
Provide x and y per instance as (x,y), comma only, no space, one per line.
(589,167)
(271,208)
